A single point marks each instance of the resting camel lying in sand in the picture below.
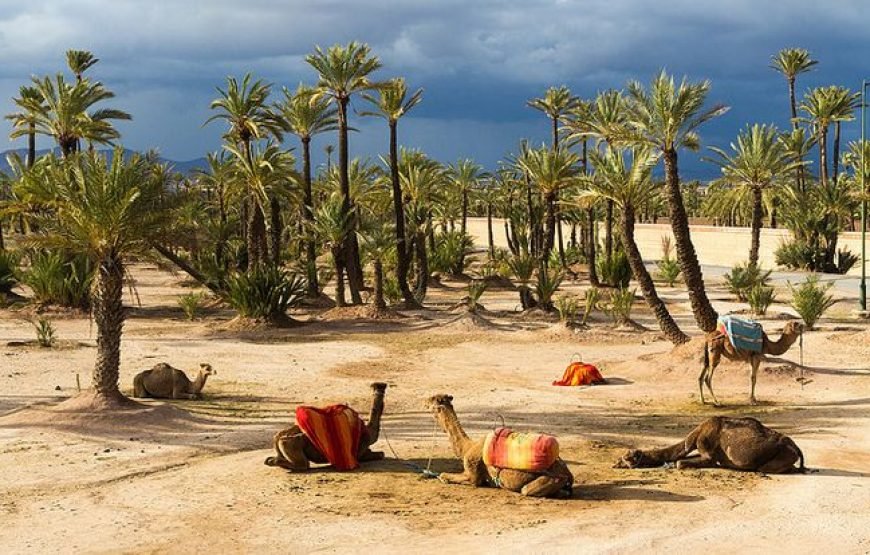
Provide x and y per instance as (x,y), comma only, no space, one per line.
(556,481)
(295,452)
(718,345)
(733,443)
(165,382)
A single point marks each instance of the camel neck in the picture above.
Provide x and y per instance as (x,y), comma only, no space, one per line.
(780,346)
(458,438)
(374,423)
(200,382)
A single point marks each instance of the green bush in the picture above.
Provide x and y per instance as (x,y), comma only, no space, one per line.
(392,291)
(614,271)
(811,300)
(546,286)
(760,298)
(743,277)
(669,270)
(8,270)
(264,294)
(799,255)
(450,246)
(846,260)
(190,304)
(475,290)
(45,334)
(568,308)
(593,298)
(59,279)
(522,267)
(621,301)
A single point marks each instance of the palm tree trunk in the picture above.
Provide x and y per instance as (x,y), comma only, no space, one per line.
(422,265)
(380,304)
(756,226)
(31,145)
(608,230)
(549,236)
(703,311)
(792,102)
(463,226)
(823,155)
(561,241)
(109,318)
(337,257)
(836,158)
(308,215)
(667,324)
(350,246)
(489,235)
(591,247)
(275,228)
(256,235)
(533,225)
(403,253)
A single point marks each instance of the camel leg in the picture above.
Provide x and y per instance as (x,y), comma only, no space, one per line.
(369,456)
(551,485)
(755,361)
(455,478)
(701,379)
(714,362)
(698,461)
(139,387)
(289,452)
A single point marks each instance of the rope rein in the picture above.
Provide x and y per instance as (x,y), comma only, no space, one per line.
(426,472)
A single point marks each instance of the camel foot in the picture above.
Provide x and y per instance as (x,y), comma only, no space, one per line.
(754,402)
(271,461)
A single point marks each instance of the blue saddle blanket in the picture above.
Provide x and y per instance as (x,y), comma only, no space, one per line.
(742,333)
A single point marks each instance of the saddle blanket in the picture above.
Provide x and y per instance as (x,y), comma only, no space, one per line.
(335,431)
(504,448)
(742,333)
(580,373)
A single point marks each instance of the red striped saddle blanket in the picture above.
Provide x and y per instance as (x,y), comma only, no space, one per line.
(335,431)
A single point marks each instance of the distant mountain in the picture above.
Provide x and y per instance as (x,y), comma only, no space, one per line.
(183,166)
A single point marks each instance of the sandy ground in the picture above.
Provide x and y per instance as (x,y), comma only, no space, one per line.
(193,480)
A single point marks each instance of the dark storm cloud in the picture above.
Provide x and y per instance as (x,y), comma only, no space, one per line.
(478,60)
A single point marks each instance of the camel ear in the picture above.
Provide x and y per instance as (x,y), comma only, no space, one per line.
(449,398)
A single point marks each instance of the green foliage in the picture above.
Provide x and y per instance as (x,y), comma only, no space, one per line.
(45,333)
(593,298)
(669,270)
(846,260)
(392,291)
(475,290)
(743,277)
(799,255)
(621,301)
(547,284)
(760,297)
(568,308)
(614,271)
(191,303)
(521,267)
(574,255)
(8,271)
(811,299)
(59,278)
(264,293)
(450,247)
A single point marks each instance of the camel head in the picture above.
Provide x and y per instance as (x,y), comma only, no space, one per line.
(206,369)
(635,458)
(379,388)
(793,328)
(438,403)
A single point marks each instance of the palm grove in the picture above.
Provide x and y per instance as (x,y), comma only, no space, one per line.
(265,231)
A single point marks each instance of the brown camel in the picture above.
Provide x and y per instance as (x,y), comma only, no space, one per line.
(718,345)
(295,452)
(556,481)
(733,443)
(165,382)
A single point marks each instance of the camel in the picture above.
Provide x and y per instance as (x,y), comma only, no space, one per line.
(295,452)
(718,345)
(556,481)
(165,382)
(722,442)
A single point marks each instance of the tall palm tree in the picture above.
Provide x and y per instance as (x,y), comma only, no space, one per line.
(331,225)
(216,180)
(391,104)
(244,107)
(791,62)
(666,119)
(379,239)
(756,161)
(630,186)
(846,102)
(109,211)
(80,61)
(343,71)
(824,106)
(61,110)
(29,97)
(304,116)
(464,177)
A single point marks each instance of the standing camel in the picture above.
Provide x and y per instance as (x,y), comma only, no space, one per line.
(718,345)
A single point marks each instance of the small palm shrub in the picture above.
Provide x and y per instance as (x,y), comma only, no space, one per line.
(811,300)
(45,333)
(450,248)
(476,289)
(59,279)
(743,277)
(760,297)
(264,293)
(799,255)
(522,267)
(621,301)
(546,286)
(669,270)
(614,271)
(190,304)
(568,308)
(593,298)
(574,255)
(392,291)
(8,270)
(846,260)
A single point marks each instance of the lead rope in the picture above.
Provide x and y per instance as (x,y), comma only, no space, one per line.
(426,472)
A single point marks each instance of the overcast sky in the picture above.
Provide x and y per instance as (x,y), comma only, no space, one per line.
(478,60)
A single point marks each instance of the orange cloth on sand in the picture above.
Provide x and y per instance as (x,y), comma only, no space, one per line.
(335,431)
(504,448)
(580,373)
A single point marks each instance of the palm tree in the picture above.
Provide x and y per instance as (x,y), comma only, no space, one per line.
(109,211)
(60,110)
(631,186)
(791,62)
(756,161)
(556,103)
(824,106)
(330,226)
(550,170)
(28,98)
(244,107)
(217,180)
(344,71)
(464,176)
(80,61)
(391,104)
(666,118)
(846,101)
(304,116)
(379,240)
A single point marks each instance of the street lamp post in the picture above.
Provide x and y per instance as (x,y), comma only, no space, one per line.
(863,289)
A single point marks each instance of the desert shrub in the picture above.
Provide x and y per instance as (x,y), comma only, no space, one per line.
(621,301)
(60,279)
(593,298)
(264,293)
(392,291)
(450,247)
(846,260)
(567,307)
(760,297)
(811,300)
(615,270)
(45,333)
(190,304)
(8,271)
(799,255)
(669,270)
(475,290)
(743,277)
(522,267)
(547,284)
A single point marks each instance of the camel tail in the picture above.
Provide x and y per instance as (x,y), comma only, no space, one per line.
(802,468)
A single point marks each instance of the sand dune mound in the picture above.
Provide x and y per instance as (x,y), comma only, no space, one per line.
(469,321)
(360,312)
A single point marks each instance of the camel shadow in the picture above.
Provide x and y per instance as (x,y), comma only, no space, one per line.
(839,473)
(618,381)
(629,490)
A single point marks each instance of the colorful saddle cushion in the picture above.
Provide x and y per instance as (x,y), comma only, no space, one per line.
(504,448)
(742,333)
(580,373)
(335,431)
